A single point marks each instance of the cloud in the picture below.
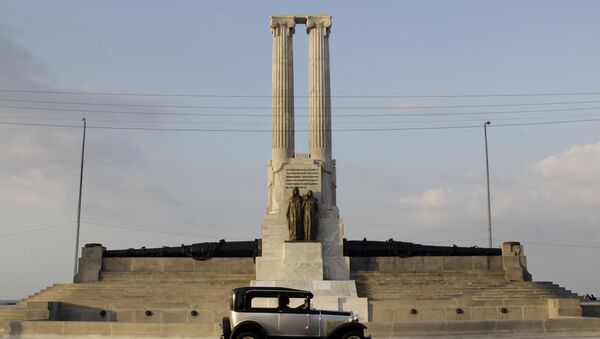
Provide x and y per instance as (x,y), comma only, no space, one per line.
(19,68)
(571,176)
(580,162)
(432,198)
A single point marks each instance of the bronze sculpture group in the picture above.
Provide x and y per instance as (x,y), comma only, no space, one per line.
(302,216)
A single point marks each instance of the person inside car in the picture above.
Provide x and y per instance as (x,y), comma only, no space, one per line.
(284,304)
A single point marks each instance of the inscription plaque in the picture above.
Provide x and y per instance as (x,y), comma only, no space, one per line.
(303,177)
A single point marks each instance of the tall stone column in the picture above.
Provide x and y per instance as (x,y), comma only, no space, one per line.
(282,29)
(319,104)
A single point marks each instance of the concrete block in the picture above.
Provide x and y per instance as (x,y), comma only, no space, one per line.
(411,264)
(403,314)
(83,328)
(363,264)
(90,263)
(513,313)
(520,326)
(146,265)
(380,329)
(457,263)
(559,307)
(466,327)
(125,316)
(535,313)
(454,313)
(302,261)
(135,329)
(50,329)
(421,328)
(573,325)
(189,330)
(381,315)
(174,316)
(495,263)
(433,314)
(390,264)
(141,317)
(484,313)
(481,263)
(178,264)
(432,264)
(116,264)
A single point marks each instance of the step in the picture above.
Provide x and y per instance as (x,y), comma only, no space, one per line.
(111,329)
(572,327)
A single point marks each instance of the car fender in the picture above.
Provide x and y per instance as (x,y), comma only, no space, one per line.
(345,327)
(248,325)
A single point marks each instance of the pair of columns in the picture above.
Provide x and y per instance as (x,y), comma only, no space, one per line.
(319,103)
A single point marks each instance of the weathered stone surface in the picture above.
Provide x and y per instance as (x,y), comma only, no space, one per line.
(90,263)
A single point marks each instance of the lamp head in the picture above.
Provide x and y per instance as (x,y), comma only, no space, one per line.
(488,123)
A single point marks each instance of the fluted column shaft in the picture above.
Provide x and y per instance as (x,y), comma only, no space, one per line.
(319,138)
(283,88)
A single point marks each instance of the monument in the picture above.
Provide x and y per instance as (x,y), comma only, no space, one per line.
(302,232)
(400,289)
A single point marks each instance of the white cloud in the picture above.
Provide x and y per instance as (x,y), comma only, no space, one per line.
(432,198)
(571,176)
(580,162)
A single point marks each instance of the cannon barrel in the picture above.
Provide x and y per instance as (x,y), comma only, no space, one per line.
(392,248)
(352,248)
(200,251)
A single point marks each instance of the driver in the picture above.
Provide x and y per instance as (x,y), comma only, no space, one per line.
(284,304)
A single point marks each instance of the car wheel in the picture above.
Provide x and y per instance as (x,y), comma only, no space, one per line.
(248,335)
(353,335)
(226,324)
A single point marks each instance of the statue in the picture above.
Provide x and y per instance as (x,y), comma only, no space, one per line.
(294,216)
(311,216)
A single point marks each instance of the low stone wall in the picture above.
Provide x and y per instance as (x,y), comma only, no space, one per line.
(220,265)
(426,264)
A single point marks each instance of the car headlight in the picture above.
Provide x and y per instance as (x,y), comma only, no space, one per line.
(353,317)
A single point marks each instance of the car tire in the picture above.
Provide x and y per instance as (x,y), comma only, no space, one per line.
(353,334)
(248,335)
(226,328)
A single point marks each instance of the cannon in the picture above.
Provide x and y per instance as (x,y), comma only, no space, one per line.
(352,248)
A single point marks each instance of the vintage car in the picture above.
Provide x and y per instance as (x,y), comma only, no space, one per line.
(265,312)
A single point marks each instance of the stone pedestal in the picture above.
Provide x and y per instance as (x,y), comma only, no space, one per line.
(302,261)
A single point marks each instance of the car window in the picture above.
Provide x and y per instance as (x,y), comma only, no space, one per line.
(262,302)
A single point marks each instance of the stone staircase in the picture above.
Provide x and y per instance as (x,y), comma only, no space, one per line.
(458,295)
(136,295)
(183,297)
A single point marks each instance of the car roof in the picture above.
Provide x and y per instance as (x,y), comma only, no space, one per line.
(278,290)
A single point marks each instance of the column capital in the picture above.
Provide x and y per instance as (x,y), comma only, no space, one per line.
(287,23)
(321,21)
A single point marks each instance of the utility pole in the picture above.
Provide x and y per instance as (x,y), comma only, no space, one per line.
(79,203)
(487,169)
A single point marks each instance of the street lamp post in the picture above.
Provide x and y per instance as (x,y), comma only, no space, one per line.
(487,169)
(79,202)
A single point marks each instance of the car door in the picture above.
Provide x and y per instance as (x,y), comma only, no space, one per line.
(293,322)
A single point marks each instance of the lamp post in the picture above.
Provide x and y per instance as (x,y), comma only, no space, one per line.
(79,202)
(487,170)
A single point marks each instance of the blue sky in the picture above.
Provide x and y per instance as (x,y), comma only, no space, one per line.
(421,185)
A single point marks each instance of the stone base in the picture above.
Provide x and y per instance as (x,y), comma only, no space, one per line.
(302,260)
(333,295)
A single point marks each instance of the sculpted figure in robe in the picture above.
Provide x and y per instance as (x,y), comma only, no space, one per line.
(294,216)
(311,216)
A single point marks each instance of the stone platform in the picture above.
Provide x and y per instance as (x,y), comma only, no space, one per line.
(173,288)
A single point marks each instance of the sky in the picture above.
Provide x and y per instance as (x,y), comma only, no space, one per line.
(412,172)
